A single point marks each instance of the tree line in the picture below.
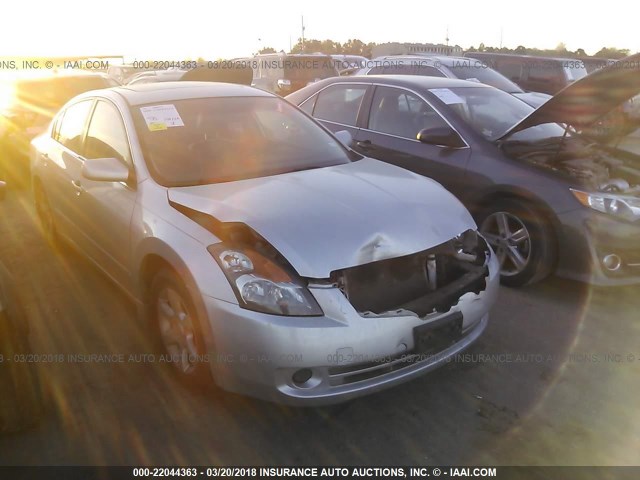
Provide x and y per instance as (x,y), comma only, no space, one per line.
(358,47)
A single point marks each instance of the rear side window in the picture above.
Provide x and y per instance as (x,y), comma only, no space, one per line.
(72,126)
(545,71)
(510,69)
(340,103)
(106,136)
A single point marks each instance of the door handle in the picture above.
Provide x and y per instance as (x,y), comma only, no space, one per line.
(365,144)
(78,186)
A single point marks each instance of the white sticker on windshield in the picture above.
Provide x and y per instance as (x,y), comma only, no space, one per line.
(161,117)
(446,95)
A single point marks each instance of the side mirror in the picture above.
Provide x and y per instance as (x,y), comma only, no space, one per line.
(3,189)
(284,85)
(344,137)
(441,136)
(105,170)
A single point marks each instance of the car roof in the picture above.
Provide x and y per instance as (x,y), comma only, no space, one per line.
(523,56)
(140,94)
(442,59)
(411,81)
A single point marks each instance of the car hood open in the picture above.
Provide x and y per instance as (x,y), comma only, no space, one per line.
(585,101)
(337,217)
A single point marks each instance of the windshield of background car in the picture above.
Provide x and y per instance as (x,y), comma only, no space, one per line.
(492,112)
(308,68)
(213,140)
(475,70)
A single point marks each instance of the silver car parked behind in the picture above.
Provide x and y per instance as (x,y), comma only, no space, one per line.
(267,255)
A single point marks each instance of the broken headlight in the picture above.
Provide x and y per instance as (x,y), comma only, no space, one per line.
(622,207)
(260,284)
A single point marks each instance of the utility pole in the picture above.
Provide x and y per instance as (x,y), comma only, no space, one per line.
(302,33)
(501,31)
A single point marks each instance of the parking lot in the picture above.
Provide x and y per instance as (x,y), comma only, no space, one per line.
(552,381)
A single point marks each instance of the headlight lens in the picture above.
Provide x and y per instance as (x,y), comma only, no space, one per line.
(262,285)
(623,207)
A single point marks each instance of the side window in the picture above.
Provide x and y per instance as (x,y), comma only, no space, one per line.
(307,106)
(340,103)
(376,70)
(55,131)
(510,69)
(106,137)
(427,71)
(401,113)
(545,71)
(72,126)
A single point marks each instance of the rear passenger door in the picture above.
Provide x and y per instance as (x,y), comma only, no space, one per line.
(396,116)
(338,106)
(61,164)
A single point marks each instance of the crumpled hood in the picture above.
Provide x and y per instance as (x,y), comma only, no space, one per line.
(336,217)
(585,101)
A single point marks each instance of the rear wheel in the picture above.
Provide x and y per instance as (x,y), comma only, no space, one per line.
(522,240)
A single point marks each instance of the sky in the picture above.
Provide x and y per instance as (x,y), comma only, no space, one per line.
(174,30)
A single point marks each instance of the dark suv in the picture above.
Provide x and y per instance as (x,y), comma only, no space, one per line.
(27,109)
(534,74)
(282,73)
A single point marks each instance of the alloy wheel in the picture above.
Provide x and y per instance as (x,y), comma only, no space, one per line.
(177,330)
(510,239)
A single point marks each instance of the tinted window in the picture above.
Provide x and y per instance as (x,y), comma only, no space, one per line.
(72,126)
(510,69)
(427,71)
(399,112)
(340,103)
(106,136)
(227,139)
(540,71)
(412,68)
(307,68)
(475,70)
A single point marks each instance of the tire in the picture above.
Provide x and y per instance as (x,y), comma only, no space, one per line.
(522,239)
(45,216)
(173,315)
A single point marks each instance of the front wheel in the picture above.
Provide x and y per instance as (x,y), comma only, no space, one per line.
(522,240)
(174,317)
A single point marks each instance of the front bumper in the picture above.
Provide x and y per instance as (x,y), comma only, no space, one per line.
(347,354)
(586,237)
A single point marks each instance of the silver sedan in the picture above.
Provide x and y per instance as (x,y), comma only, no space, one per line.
(265,254)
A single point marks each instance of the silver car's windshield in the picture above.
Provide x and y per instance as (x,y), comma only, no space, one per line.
(213,140)
(492,112)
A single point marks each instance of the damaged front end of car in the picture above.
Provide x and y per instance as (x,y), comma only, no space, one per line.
(420,284)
